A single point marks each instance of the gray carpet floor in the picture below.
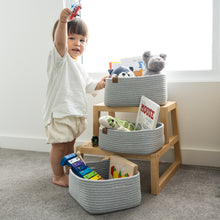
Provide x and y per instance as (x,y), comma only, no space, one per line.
(26,192)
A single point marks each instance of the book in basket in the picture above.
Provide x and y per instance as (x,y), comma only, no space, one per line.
(121,167)
(147,115)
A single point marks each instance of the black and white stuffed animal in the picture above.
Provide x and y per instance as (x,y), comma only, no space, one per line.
(153,63)
(121,72)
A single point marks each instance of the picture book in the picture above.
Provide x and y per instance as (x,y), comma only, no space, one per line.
(114,65)
(136,62)
(121,167)
(148,114)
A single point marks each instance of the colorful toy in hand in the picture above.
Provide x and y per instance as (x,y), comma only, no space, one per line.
(153,63)
(79,167)
(121,72)
(115,123)
(76,7)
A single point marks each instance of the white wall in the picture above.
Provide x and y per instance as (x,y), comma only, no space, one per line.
(25,40)
(198,107)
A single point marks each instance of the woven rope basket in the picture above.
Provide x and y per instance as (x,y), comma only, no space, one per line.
(133,142)
(128,91)
(102,196)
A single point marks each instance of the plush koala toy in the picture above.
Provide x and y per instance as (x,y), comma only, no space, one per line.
(153,63)
(122,72)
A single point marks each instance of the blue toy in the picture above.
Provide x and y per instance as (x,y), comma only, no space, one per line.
(79,167)
(121,72)
(76,7)
(66,160)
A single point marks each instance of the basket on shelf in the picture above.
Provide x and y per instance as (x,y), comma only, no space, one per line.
(128,91)
(141,142)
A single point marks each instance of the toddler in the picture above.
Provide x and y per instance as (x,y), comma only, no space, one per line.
(66,105)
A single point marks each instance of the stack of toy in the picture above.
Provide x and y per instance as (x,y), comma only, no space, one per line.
(79,167)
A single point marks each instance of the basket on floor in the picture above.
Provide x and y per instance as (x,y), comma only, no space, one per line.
(128,91)
(102,196)
(141,142)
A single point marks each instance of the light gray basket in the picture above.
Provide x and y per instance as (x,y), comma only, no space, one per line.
(132,142)
(128,91)
(102,196)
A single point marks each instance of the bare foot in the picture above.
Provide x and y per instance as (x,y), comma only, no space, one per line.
(61,180)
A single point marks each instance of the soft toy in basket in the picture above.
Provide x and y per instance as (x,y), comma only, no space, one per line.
(115,123)
(115,136)
(154,64)
(121,72)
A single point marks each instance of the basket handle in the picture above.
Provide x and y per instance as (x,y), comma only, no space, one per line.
(104,130)
(114,79)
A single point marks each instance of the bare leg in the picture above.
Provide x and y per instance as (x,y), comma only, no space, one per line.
(69,149)
(56,154)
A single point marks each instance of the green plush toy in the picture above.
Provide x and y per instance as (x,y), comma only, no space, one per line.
(115,123)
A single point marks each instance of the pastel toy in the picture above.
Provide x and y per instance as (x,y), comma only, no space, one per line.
(115,123)
(121,72)
(154,64)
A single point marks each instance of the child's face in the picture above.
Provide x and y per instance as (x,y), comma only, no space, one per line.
(76,45)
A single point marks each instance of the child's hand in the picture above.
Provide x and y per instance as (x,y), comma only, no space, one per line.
(65,14)
(101,83)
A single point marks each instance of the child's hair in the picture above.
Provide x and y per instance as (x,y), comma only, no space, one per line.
(75,26)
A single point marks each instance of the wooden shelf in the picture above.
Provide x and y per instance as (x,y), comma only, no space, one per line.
(157,182)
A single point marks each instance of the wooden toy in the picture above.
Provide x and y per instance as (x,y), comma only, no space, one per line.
(79,167)
(121,167)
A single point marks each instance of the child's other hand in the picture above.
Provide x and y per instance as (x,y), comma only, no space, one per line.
(101,83)
(65,14)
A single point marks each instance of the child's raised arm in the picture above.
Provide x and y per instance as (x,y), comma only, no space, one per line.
(60,39)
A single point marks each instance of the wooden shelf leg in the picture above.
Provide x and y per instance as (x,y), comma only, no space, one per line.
(111,114)
(154,172)
(177,152)
(165,120)
(96,115)
(164,179)
(175,129)
(174,119)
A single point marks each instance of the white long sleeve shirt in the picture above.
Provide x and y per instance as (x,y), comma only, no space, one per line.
(67,87)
